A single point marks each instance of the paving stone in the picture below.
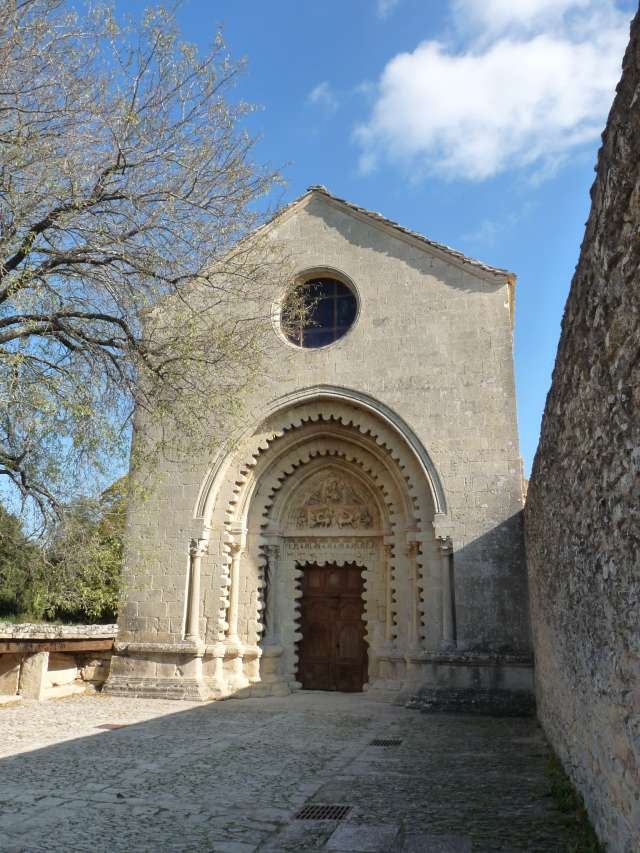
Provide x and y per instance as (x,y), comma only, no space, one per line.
(430,843)
(201,778)
(363,838)
(300,835)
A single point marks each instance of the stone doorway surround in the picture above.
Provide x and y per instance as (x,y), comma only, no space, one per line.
(332,477)
(331,489)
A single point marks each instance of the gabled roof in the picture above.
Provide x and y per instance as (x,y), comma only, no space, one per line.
(452,255)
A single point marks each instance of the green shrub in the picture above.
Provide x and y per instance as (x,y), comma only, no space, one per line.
(76,575)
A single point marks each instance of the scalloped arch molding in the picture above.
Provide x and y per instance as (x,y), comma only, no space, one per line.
(376,419)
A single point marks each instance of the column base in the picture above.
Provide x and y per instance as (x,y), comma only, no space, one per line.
(233,665)
(158,671)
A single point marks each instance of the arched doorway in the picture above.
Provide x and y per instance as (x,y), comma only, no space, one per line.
(330,485)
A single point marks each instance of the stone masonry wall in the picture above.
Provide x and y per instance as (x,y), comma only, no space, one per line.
(433,343)
(583,507)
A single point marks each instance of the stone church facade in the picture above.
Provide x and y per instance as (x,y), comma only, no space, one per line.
(364,531)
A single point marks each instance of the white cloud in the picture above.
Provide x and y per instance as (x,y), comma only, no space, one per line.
(495,16)
(510,99)
(323,95)
(486,234)
(385,7)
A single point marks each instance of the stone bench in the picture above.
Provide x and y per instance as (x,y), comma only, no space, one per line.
(49,661)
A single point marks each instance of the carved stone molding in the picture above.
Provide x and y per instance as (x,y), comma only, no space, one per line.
(347,408)
(339,550)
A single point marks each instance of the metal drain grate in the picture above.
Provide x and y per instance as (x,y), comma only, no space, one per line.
(112,726)
(322,812)
(389,741)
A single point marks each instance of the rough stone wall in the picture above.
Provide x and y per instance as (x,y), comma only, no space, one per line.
(583,504)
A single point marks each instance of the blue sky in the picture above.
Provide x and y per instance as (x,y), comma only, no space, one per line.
(474,122)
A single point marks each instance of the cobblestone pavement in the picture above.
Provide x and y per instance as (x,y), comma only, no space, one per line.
(227,777)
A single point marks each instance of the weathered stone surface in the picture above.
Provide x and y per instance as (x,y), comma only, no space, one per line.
(496,703)
(33,675)
(51,674)
(363,838)
(62,669)
(9,674)
(42,631)
(215,777)
(395,449)
(95,670)
(583,504)
(432,843)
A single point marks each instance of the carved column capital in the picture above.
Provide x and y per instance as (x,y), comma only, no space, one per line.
(198,547)
(445,545)
(237,539)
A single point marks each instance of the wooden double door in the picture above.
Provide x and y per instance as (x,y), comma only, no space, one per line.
(333,651)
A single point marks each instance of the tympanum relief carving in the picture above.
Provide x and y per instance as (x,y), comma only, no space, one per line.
(334,503)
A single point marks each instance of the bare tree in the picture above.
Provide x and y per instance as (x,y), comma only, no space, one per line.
(126,181)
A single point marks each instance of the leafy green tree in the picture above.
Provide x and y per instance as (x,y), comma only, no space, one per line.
(75,576)
(127,181)
(80,577)
(21,563)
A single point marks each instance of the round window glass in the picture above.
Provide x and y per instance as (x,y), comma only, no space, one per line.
(317,312)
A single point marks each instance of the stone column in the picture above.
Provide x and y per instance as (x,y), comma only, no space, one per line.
(388,593)
(272,650)
(234,593)
(271,610)
(237,678)
(414,593)
(448,617)
(197,549)
(216,681)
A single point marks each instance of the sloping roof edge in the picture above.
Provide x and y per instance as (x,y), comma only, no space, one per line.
(483,270)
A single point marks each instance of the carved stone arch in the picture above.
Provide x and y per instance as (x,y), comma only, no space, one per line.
(279,502)
(365,413)
(320,439)
(313,440)
(401,562)
(272,467)
(272,471)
